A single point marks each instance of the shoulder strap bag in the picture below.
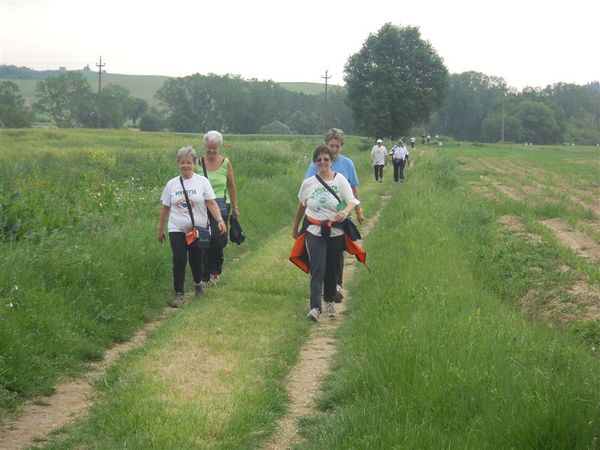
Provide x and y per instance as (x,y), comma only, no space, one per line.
(198,237)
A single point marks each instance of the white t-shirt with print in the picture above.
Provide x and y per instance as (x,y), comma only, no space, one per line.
(379,153)
(321,204)
(198,190)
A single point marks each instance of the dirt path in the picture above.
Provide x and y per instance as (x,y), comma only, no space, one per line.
(304,382)
(71,399)
(578,242)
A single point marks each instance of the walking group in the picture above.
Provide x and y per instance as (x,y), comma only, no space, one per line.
(196,208)
(398,155)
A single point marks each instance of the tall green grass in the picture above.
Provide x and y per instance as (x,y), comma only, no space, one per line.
(434,353)
(80,267)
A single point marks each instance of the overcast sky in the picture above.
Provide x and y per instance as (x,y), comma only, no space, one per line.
(526,42)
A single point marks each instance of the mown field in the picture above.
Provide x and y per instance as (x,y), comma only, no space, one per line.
(476,327)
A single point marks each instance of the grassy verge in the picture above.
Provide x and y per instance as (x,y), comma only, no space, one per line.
(80,267)
(432,357)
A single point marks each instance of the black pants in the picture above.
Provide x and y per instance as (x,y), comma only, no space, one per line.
(399,169)
(378,172)
(324,256)
(213,256)
(180,257)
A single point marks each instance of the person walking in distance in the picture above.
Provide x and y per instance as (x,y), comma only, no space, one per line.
(378,157)
(334,139)
(399,154)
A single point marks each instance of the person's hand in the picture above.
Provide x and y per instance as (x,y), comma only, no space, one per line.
(235,212)
(295,232)
(360,216)
(222,226)
(160,236)
(341,215)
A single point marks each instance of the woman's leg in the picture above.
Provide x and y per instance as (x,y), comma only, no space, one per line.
(335,248)
(317,255)
(180,250)
(196,263)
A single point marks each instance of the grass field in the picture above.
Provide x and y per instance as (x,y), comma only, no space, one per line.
(476,327)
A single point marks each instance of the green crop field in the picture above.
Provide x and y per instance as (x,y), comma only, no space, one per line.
(477,325)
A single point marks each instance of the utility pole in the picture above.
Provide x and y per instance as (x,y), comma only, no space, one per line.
(100,66)
(502,131)
(325,118)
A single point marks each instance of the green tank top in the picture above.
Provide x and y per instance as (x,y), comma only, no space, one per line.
(218,180)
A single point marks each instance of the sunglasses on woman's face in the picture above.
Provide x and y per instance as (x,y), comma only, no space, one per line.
(323,160)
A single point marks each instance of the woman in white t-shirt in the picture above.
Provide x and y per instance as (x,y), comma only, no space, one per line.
(324,232)
(175,209)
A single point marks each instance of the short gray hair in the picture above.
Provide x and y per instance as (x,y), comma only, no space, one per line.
(214,137)
(334,133)
(187,151)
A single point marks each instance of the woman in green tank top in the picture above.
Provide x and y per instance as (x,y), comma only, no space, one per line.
(219,172)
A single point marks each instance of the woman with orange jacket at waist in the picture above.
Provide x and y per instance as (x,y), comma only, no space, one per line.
(324,232)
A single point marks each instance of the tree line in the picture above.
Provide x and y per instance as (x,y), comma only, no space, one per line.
(483,108)
(396,85)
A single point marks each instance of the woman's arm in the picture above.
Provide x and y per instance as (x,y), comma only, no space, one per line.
(164,215)
(347,195)
(231,188)
(297,219)
(213,207)
(359,211)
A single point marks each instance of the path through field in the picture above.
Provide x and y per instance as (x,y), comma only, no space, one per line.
(72,398)
(313,365)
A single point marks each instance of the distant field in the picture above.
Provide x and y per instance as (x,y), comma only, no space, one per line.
(142,86)
(145,86)
(310,88)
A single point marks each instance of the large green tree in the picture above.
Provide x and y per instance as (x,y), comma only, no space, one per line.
(394,82)
(68,99)
(13,111)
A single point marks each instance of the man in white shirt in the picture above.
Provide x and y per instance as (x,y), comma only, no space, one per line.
(378,155)
(399,154)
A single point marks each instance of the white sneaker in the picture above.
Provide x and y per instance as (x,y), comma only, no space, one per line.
(330,309)
(314,314)
(339,295)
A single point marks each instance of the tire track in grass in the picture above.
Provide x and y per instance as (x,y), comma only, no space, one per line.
(71,399)
(39,417)
(306,377)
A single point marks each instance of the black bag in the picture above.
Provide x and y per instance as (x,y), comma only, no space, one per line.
(198,237)
(236,234)
(223,207)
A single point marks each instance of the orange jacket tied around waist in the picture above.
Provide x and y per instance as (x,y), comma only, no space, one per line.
(299,254)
